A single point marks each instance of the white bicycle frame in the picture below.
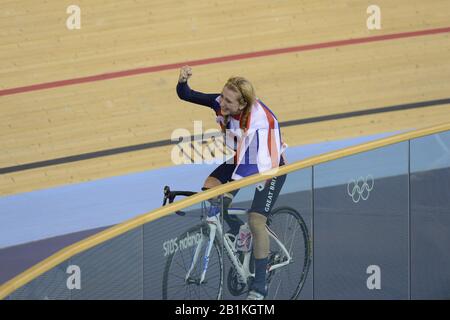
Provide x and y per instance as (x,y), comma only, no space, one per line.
(242,269)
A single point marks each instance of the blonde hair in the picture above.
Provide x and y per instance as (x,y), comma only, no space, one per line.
(248,97)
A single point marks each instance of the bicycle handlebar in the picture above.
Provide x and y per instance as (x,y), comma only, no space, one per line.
(170,195)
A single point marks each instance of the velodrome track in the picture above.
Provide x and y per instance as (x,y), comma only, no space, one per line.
(69,97)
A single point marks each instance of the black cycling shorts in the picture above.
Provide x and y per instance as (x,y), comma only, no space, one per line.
(265,194)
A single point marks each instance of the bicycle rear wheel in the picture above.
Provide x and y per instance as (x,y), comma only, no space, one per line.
(287,282)
(175,285)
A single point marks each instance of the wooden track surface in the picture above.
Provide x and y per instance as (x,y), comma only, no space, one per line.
(36,47)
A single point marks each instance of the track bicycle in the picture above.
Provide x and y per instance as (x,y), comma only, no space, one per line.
(198,271)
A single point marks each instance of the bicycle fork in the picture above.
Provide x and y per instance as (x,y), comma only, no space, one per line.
(212,234)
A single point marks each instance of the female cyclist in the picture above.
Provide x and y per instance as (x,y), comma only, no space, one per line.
(252,131)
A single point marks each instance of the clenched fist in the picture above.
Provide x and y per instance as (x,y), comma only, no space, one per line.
(185,74)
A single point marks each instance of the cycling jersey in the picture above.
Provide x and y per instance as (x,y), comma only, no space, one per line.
(259,147)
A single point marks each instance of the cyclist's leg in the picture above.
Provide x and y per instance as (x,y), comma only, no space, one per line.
(211,182)
(262,205)
(222,174)
(257,223)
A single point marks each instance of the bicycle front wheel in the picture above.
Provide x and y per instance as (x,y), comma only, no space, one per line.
(175,284)
(287,281)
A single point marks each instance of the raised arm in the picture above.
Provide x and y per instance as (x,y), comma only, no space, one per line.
(187,94)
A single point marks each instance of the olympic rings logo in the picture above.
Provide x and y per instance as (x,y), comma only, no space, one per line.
(360,188)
